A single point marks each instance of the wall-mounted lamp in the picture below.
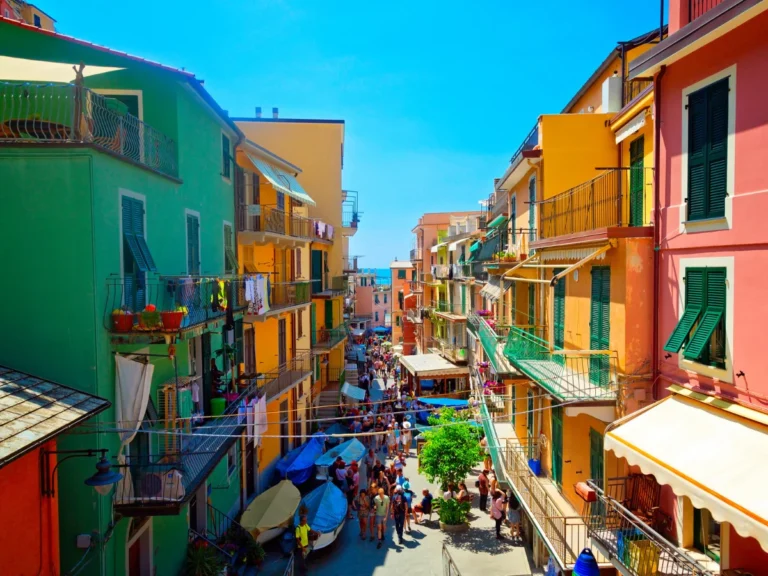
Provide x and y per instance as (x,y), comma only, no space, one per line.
(102,481)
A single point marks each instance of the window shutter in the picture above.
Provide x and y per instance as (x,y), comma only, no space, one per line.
(193,245)
(239,356)
(694,301)
(225,157)
(717,154)
(715,298)
(559,311)
(514,303)
(697,155)
(636,182)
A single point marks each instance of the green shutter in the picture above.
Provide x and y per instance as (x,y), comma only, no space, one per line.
(193,244)
(636,182)
(313,323)
(401,274)
(225,157)
(557,444)
(532,209)
(559,312)
(239,355)
(463,299)
(531,307)
(708,151)
(230,260)
(514,303)
(600,324)
(694,302)
(714,311)
(513,220)
(514,406)
(328,314)
(596,459)
(317,271)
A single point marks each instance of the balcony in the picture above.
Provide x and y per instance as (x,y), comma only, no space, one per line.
(569,375)
(516,252)
(441,306)
(413,315)
(697,8)
(416,287)
(285,376)
(350,217)
(492,338)
(350,265)
(616,199)
(630,543)
(634,88)
(283,296)
(456,352)
(327,338)
(176,303)
(442,271)
(73,115)
(415,254)
(335,286)
(258,223)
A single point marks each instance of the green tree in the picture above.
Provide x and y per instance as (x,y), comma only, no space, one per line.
(452,448)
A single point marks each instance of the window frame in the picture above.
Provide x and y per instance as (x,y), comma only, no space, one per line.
(122,192)
(718,223)
(226,162)
(187,213)
(401,274)
(229,253)
(726,262)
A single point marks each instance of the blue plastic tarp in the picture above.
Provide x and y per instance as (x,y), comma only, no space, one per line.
(337,428)
(350,451)
(443,402)
(326,508)
(382,330)
(427,384)
(298,464)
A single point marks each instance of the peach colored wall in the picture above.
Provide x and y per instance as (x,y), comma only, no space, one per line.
(382,308)
(29,522)
(397,285)
(363,299)
(747,49)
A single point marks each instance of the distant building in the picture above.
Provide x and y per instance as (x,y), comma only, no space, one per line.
(27,13)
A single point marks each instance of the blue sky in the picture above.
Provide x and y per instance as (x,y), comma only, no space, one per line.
(436,95)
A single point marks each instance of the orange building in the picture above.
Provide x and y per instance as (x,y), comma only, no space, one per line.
(29,516)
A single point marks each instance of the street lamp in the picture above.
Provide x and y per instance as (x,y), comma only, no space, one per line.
(102,481)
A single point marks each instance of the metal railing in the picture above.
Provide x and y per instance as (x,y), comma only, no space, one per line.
(567,374)
(440,306)
(462,271)
(159,484)
(479,271)
(449,566)
(697,8)
(320,231)
(287,294)
(265,218)
(278,381)
(350,264)
(637,546)
(615,198)
(518,250)
(415,254)
(335,285)
(329,337)
(349,219)
(490,338)
(455,352)
(416,287)
(179,302)
(73,114)
(225,531)
(633,88)
(530,142)
(289,568)
(442,271)
(338,375)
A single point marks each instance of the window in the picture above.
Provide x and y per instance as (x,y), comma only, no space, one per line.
(701,330)
(300,323)
(363,281)
(708,151)
(397,320)
(281,201)
(37,21)
(230,260)
(239,349)
(512,219)
(193,244)
(137,259)
(226,157)
(401,274)
(385,298)
(532,208)
(377,316)
(413,275)
(231,460)
(375,298)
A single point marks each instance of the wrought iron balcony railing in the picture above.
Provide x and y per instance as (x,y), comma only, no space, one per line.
(415,254)
(288,294)
(284,377)
(440,306)
(567,374)
(634,544)
(350,265)
(616,198)
(453,351)
(633,88)
(350,219)
(491,337)
(73,114)
(145,303)
(329,337)
(697,8)
(334,286)
(270,219)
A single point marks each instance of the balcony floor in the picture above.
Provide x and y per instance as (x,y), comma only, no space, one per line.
(564,382)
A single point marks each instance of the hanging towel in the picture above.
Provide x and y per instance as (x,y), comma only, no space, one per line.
(250,420)
(261,419)
(134,380)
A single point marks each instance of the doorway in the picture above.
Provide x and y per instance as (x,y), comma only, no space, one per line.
(596,464)
(139,547)
(281,344)
(706,533)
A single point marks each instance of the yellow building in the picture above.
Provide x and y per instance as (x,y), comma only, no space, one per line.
(29,13)
(318,147)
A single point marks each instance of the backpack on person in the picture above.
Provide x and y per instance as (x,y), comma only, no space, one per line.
(398,504)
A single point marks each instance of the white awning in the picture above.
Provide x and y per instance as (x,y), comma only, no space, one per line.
(452,246)
(281,180)
(713,455)
(20,69)
(569,254)
(431,365)
(631,127)
(353,392)
(492,290)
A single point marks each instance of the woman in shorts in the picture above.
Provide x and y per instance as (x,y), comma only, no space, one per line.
(363,506)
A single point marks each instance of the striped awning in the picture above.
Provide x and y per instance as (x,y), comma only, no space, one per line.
(497,222)
(492,289)
(569,254)
(281,180)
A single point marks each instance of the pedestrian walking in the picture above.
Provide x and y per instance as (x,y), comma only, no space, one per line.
(399,510)
(407,438)
(408,494)
(363,507)
(497,512)
(303,531)
(391,441)
(488,461)
(381,505)
(513,515)
(483,487)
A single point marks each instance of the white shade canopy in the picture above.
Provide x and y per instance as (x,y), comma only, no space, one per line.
(23,70)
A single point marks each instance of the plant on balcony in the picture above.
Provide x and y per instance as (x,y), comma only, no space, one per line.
(452,448)
(122,320)
(202,560)
(172,319)
(149,318)
(484,313)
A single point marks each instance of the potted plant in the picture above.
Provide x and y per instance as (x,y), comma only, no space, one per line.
(202,560)
(122,320)
(452,514)
(254,553)
(172,320)
(149,318)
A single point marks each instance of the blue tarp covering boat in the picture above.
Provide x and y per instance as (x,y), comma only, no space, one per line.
(326,510)
(298,464)
(350,451)
(337,428)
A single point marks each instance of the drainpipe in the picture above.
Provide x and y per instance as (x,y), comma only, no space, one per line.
(655,370)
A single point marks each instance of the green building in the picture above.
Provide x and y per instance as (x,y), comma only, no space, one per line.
(118,204)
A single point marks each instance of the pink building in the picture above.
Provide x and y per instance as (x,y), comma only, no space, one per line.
(706,442)
(381,305)
(372,300)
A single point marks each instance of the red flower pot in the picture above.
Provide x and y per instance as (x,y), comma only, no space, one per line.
(122,322)
(172,320)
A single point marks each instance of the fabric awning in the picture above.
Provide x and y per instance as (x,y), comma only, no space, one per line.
(281,180)
(631,127)
(489,248)
(431,365)
(707,453)
(475,246)
(353,392)
(492,289)
(497,222)
(23,70)
(452,246)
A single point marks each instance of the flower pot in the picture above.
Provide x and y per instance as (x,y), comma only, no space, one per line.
(454,528)
(172,320)
(150,320)
(122,322)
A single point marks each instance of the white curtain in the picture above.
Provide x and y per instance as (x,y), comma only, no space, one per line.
(261,419)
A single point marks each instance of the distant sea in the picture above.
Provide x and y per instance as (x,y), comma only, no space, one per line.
(383,275)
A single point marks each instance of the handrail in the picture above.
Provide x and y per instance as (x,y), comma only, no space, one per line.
(449,565)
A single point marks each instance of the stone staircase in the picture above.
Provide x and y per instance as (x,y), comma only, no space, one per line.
(329,401)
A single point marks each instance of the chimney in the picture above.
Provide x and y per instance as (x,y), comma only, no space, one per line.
(258,111)
(274,113)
